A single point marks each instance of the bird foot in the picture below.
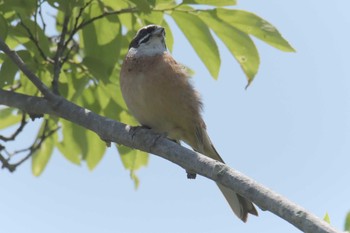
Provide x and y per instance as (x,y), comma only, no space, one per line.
(191,175)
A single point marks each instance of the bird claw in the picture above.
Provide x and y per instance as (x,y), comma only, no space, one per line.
(191,175)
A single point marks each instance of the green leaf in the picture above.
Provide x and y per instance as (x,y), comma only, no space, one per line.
(24,8)
(211,2)
(164,4)
(42,156)
(238,42)
(347,222)
(168,36)
(89,100)
(132,160)
(135,178)
(116,5)
(252,24)
(154,17)
(101,44)
(74,142)
(79,143)
(326,218)
(76,82)
(65,5)
(143,5)
(3,27)
(26,28)
(96,149)
(7,72)
(111,100)
(8,118)
(198,34)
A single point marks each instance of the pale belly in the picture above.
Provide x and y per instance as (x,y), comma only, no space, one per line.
(154,107)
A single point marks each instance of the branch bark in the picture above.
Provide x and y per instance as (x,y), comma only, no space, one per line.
(146,140)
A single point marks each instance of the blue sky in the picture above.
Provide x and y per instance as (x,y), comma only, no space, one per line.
(289,131)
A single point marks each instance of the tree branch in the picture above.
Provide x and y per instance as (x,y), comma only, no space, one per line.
(18,130)
(46,133)
(58,56)
(34,40)
(146,140)
(32,77)
(89,21)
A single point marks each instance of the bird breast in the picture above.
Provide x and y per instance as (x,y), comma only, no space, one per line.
(157,92)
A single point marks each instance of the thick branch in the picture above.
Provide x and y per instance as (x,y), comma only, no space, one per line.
(146,140)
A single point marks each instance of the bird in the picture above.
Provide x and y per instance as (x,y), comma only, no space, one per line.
(158,93)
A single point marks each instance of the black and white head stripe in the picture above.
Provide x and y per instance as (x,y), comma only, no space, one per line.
(143,35)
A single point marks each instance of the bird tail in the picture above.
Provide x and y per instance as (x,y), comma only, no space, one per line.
(239,205)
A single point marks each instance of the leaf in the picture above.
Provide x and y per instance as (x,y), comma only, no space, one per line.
(238,42)
(20,31)
(27,87)
(135,178)
(24,8)
(90,101)
(79,143)
(7,72)
(164,4)
(154,17)
(143,5)
(8,118)
(42,156)
(101,44)
(64,5)
(96,149)
(198,34)
(326,218)
(211,2)
(252,24)
(3,27)
(74,142)
(347,222)
(116,5)
(168,36)
(132,160)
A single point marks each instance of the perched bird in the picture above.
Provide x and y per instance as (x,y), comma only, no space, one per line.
(158,93)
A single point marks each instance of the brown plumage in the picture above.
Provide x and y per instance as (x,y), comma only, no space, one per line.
(158,93)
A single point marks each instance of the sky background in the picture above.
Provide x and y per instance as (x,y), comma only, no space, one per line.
(290,131)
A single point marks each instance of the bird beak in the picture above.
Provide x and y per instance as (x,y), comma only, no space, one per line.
(159,32)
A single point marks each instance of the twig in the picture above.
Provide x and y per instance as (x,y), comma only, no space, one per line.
(70,38)
(6,164)
(87,22)
(74,46)
(41,16)
(31,150)
(18,130)
(36,146)
(81,10)
(34,40)
(59,52)
(32,77)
